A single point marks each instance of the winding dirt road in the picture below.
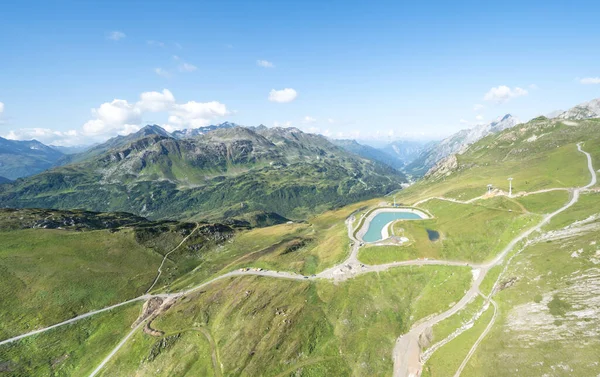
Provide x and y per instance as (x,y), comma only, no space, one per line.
(407,352)
(478,341)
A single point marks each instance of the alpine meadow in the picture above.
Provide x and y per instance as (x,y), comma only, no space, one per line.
(304,189)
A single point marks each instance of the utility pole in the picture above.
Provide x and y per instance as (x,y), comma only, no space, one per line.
(394,200)
(510,187)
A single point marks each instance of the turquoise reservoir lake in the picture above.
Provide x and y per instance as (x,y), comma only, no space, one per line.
(373,233)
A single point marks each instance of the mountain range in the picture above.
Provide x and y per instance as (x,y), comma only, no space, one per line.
(460,141)
(23,158)
(586,110)
(227,172)
(191,166)
(457,143)
(371,153)
(191,132)
(405,151)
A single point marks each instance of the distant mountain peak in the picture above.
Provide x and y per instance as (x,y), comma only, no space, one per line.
(227,124)
(192,132)
(275,170)
(20,158)
(459,142)
(153,129)
(585,110)
(502,123)
(554,114)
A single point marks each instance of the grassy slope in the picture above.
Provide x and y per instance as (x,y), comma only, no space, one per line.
(55,274)
(472,232)
(305,248)
(48,276)
(446,327)
(551,160)
(587,206)
(563,167)
(328,329)
(446,360)
(72,350)
(545,202)
(555,340)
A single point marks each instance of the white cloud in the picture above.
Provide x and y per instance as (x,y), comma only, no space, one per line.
(116,35)
(170,128)
(464,121)
(43,134)
(155,43)
(309,119)
(112,118)
(590,80)
(120,117)
(186,67)
(265,64)
(330,121)
(1,107)
(479,117)
(503,93)
(117,112)
(283,95)
(533,87)
(478,107)
(156,101)
(196,114)
(161,72)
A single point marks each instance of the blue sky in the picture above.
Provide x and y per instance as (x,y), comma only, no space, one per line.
(378,69)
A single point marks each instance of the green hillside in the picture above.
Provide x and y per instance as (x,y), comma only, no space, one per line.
(540,154)
(320,329)
(222,174)
(56,265)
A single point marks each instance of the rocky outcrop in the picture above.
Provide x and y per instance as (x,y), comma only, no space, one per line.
(586,110)
(443,168)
